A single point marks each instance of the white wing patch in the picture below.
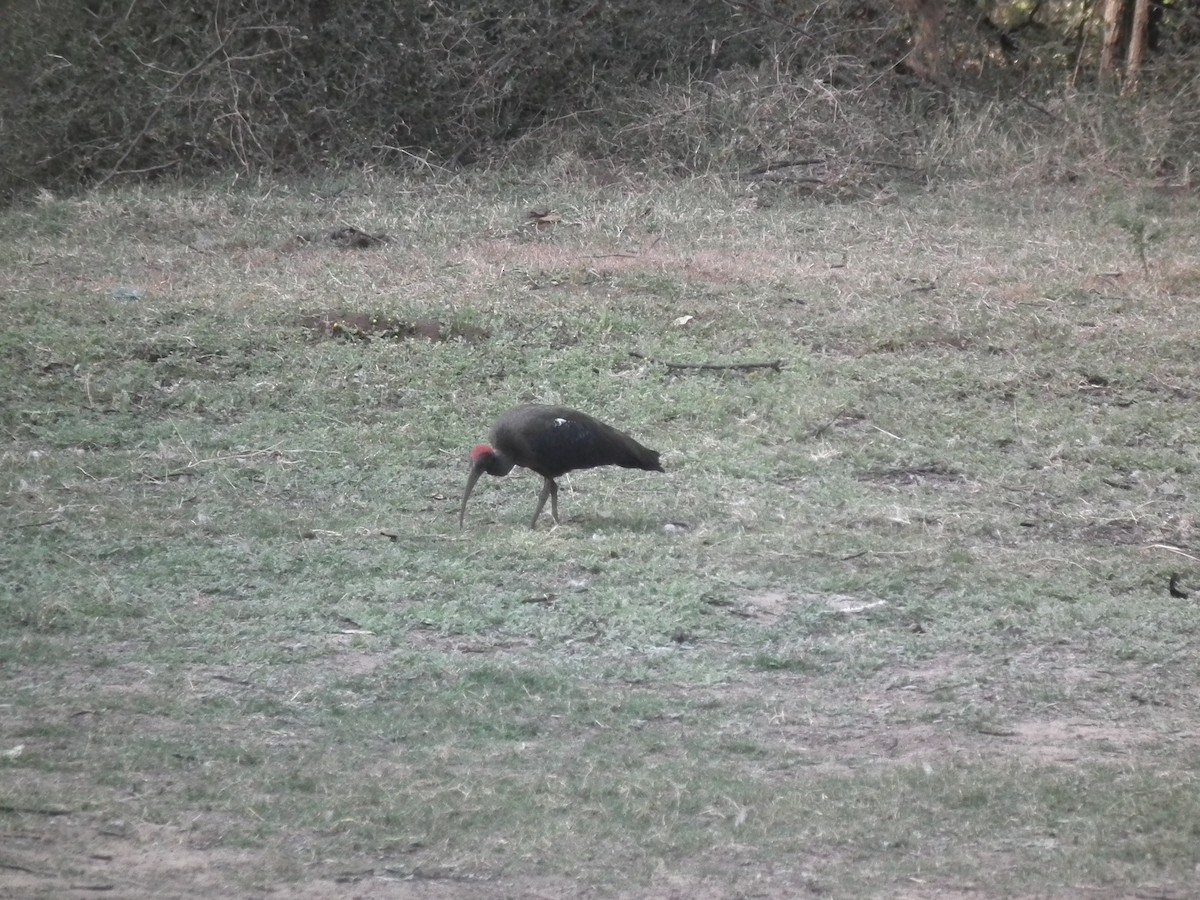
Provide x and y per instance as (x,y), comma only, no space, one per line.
(559,422)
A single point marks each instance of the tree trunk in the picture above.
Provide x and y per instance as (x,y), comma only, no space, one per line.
(926,57)
(1138,36)
(1110,52)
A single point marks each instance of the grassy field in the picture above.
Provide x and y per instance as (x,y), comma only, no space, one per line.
(909,635)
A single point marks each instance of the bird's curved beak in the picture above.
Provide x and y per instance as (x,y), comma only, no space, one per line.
(476,471)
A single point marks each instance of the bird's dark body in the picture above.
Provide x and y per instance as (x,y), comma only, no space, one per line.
(554,440)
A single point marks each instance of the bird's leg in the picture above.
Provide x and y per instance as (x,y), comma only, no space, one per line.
(541,501)
(549,489)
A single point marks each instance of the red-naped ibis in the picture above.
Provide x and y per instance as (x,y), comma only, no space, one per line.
(553,440)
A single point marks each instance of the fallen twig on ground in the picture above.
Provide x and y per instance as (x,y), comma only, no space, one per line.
(776,365)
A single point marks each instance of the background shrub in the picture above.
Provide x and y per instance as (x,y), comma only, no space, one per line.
(106,88)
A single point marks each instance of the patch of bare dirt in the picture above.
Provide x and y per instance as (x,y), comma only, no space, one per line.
(933,475)
(1071,740)
(728,872)
(363,327)
(347,237)
(768,607)
(706,266)
(428,639)
(350,660)
(933,889)
(1119,531)
(914,717)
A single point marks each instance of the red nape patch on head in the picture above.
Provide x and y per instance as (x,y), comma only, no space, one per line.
(480,452)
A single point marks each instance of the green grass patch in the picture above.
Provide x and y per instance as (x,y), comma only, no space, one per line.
(896,614)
